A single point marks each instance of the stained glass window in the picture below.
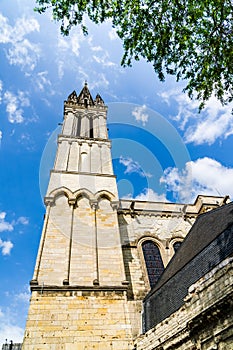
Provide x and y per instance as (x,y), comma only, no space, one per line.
(153,260)
(176,246)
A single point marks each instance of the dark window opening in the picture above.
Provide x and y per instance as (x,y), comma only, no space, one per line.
(85,103)
(91,129)
(153,260)
(78,133)
(176,246)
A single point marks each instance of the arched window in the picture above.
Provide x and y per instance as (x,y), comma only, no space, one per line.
(176,246)
(153,260)
(91,128)
(78,130)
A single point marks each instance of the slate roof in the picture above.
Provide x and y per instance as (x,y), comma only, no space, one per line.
(207,228)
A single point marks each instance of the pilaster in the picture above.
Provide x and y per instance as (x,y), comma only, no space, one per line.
(79,288)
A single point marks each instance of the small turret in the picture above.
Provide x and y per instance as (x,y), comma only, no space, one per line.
(84,98)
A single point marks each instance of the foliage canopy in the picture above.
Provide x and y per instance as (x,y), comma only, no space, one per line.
(190,39)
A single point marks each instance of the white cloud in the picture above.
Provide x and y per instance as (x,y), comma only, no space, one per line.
(148,194)
(0,136)
(214,122)
(5,30)
(67,48)
(23,220)
(97,48)
(14,104)
(2,215)
(5,225)
(10,331)
(6,247)
(210,129)
(60,68)
(42,80)
(1,88)
(75,41)
(63,45)
(203,176)
(22,52)
(23,296)
(23,99)
(97,58)
(112,34)
(187,108)
(104,60)
(100,81)
(25,26)
(83,73)
(27,141)
(13,313)
(133,167)
(140,115)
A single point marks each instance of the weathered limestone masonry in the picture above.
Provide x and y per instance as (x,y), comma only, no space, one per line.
(163,223)
(79,286)
(90,275)
(205,322)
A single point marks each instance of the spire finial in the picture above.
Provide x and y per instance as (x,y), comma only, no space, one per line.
(85,83)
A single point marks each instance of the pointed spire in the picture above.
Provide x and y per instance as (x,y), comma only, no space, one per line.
(98,100)
(72,97)
(85,97)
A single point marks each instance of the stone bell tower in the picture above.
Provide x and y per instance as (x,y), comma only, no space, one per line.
(79,286)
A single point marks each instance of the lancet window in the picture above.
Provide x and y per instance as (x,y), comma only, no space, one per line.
(78,131)
(91,129)
(153,260)
(88,130)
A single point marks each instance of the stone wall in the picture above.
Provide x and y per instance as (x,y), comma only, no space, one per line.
(204,322)
(80,244)
(164,231)
(78,320)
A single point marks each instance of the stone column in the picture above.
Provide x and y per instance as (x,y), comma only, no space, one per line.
(73,157)
(72,203)
(48,202)
(94,206)
(68,123)
(62,155)
(96,127)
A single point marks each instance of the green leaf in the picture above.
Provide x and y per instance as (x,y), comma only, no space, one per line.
(186,38)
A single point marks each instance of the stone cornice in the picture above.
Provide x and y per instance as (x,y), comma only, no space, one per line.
(74,106)
(167,209)
(145,212)
(62,137)
(66,288)
(80,173)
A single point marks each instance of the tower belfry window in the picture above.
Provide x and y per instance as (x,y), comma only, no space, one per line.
(91,128)
(85,102)
(78,132)
(153,260)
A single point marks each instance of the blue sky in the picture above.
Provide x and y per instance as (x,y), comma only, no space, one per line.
(162,148)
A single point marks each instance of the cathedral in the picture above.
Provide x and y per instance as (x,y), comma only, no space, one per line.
(113,274)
